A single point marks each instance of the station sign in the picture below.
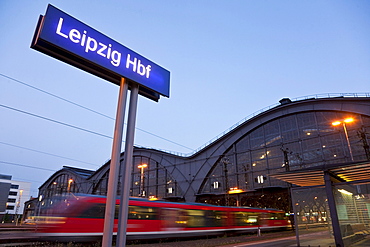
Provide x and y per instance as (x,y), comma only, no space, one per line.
(69,40)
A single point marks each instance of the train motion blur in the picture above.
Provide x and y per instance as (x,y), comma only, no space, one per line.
(81,217)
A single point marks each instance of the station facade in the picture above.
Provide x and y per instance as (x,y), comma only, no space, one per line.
(235,169)
(296,156)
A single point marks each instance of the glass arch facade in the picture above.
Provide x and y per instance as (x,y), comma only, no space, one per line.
(148,179)
(62,185)
(290,142)
(235,168)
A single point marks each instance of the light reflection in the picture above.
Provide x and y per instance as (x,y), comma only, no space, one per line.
(343,191)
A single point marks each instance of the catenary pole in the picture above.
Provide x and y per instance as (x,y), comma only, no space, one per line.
(114,166)
(126,169)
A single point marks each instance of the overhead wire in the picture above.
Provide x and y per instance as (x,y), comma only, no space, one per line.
(34,167)
(65,124)
(55,121)
(54,155)
(55,96)
(88,109)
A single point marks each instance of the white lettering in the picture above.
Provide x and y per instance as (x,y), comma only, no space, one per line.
(148,69)
(83,38)
(136,64)
(103,47)
(90,44)
(140,68)
(75,36)
(116,58)
(59,27)
(109,51)
(128,62)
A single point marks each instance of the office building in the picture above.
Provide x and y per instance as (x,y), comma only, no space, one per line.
(13,195)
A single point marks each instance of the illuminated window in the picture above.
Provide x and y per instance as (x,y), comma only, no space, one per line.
(260,179)
(216,185)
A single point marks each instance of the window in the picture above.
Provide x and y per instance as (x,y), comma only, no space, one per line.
(14,186)
(289,130)
(13,193)
(246,218)
(272,132)
(276,216)
(9,207)
(243,144)
(259,160)
(95,211)
(260,179)
(135,212)
(142,213)
(257,138)
(243,160)
(12,200)
(196,218)
(216,185)
(312,150)
(215,218)
(307,125)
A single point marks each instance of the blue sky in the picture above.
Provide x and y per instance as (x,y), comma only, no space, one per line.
(227,60)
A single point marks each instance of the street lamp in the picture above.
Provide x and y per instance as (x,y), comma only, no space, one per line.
(141,167)
(343,123)
(17,207)
(37,218)
(70,181)
(237,191)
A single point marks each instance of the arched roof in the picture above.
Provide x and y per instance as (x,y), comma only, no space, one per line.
(79,173)
(190,171)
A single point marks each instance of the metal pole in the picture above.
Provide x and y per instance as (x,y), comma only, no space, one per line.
(142,182)
(225,161)
(126,172)
(348,143)
(114,167)
(295,212)
(333,210)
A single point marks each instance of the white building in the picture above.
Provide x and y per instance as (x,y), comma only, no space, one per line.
(13,195)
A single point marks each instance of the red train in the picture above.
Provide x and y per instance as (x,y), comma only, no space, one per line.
(82,217)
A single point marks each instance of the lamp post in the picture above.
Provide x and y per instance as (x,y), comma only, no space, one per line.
(70,181)
(141,167)
(225,161)
(17,207)
(37,218)
(236,191)
(343,123)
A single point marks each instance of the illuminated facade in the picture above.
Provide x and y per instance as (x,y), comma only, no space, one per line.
(235,169)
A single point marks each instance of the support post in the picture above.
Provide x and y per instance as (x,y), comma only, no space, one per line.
(114,166)
(333,210)
(126,169)
(295,212)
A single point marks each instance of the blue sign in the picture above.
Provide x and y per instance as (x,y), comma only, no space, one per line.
(66,38)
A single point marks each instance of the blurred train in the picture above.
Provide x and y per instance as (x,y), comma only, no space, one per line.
(81,218)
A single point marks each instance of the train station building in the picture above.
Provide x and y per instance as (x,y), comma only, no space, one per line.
(309,156)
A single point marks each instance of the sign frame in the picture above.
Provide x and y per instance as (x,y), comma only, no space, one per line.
(65,38)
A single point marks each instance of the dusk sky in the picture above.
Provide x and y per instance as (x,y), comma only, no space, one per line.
(227,59)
